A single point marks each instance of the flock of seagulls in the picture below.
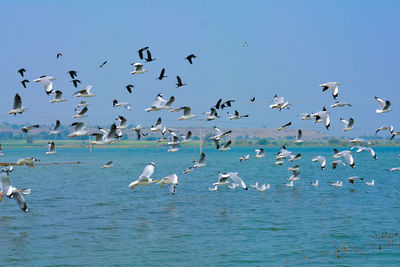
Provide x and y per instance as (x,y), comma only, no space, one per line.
(174,140)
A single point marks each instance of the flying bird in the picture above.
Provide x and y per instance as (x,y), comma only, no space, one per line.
(149,58)
(52,148)
(212,115)
(227,103)
(353,179)
(179,82)
(190,58)
(17,107)
(283,127)
(75,82)
(348,125)
(158,103)
(236,116)
(129,88)
(55,130)
(86,92)
(73,74)
(58,55)
(27,162)
(219,134)
(145,178)
(334,86)
(252,99)
(384,105)
(108,165)
(47,82)
(162,75)
(12,192)
(171,180)
(259,153)
(121,104)
(138,69)
(324,116)
(279,103)
(57,97)
(299,137)
(140,51)
(24,83)
(28,128)
(81,113)
(21,71)
(340,104)
(102,64)
(80,129)
(223,147)
(187,114)
(321,159)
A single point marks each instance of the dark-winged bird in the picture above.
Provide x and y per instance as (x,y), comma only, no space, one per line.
(75,82)
(58,55)
(252,99)
(140,51)
(149,58)
(102,64)
(218,105)
(72,73)
(179,82)
(24,82)
(129,88)
(190,57)
(21,71)
(162,74)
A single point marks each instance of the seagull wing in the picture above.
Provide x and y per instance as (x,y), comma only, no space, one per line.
(17,101)
(381,103)
(147,171)
(234,176)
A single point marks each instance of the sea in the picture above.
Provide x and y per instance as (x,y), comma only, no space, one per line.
(83,215)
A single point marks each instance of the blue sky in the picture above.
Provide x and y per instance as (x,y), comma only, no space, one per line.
(293,47)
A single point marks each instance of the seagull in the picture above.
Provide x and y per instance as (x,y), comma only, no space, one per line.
(58,55)
(235,177)
(52,148)
(348,125)
(179,82)
(360,141)
(244,158)
(200,163)
(167,106)
(283,127)
(264,187)
(186,138)
(394,169)
(162,75)
(144,178)
(224,147)
(336,163)
(82,104)
(75,82)
(121,104)
(149,58)
(138,69)
(315,184)
(107,165)
(340,104)
(158,127)
(140,51)
(295,168)
(158,103)
(79,129)
(190,58)
(383,128)
(324,116)
(278,162)
(187,114)
(174,148)
(334,86)
(102,64)
(27,162)
(129,88)
(353,178)
(12,192)
(245,44)
(306,116)
(253,99)
(299,137)
(47,82)
(84,92)
(321,159)
(279,103)
(212,115)
(138,130)
(1,152)
(236,116)
(175,139)
(372,183)
(28,128)
(81,114)
(393,132)
(293,157)
(172,180)
(111,135)
(21,71)
(57,97)
(294,177)
(55,130)
(346,154)
(215,188)
(384,105)
(362,148)
(337,184)
(220,134)
(259,153)
(24,83)
(191,168)
(122,122)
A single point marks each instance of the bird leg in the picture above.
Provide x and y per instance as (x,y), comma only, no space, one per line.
(133,186)
(1,196)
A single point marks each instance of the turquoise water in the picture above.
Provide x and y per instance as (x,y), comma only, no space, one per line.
(85,215)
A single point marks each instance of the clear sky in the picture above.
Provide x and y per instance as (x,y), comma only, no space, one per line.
(293,46)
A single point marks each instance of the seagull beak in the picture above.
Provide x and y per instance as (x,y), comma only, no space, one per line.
(37,80)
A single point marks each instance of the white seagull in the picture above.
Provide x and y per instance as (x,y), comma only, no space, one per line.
(321,159)
(187,114)
(52,148)
(236,116)
(158,104)
(360,141)
(337,184)
(17,108)
(172,180)
(244,158)
(334,86)
(279,103)
(121,104)
(79,129)
(315,184)
(12,192)
(259,153)
(80,113)
(144,178)
(122,123)
(158,127)
(84,92)
(384,105)
(55,130)
(219,134)
(223,147)
(138,69)
(47,82)
(108,165)
(57,97)
(27,162)
(324,116)
(336,163)
(212,115)
(200,163)
(299,137)
(348,125)
(340,104)
(368,149)
(372,183)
